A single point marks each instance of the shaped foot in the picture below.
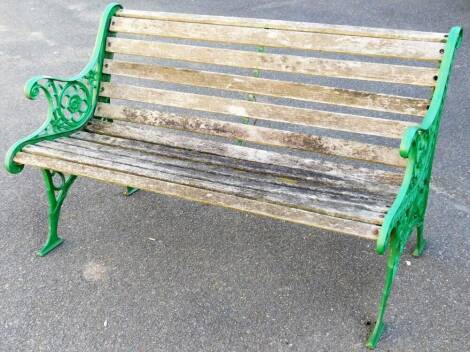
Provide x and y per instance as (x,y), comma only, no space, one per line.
(419,249)
(375,335)
(420,242)
(130,191)
(49,246)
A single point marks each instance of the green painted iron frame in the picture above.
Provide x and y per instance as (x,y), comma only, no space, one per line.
(72,102)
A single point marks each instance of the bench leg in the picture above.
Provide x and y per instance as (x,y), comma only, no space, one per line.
(130,191)
(392,266)
(420,241)
(56,195)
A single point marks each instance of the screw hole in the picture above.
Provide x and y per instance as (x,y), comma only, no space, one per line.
(435,78)
(113,23)
(446,36)
(106,65)
(441,51)
(427,107)
(368,323)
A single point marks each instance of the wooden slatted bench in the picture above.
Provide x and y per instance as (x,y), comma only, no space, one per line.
(233,112)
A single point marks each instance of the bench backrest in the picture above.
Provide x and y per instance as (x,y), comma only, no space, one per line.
(156,48)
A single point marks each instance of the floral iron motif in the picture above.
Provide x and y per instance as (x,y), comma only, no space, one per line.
(71,101)
(71,104)
(409,208)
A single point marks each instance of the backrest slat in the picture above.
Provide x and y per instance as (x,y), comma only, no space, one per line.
(260,135)
(262,111)
(287,25)
(272,83)
(371,71)
(282,89)
(354,45)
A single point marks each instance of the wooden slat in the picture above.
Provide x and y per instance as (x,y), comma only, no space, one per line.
(371,71)
(354,45)
(343,206)
(263,111)
(290,90)
(364,230)
(273,175)
(287,25)
(312,179)
(373,179)
(260,135)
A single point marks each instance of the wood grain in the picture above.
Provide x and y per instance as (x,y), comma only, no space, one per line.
(353,45)
(380,180)
(337,205)
(316,180)
(261,135)
(286,25)
(371,71)
(284,89)
(360,229)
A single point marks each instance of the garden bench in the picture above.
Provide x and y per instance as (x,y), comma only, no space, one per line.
(253,115)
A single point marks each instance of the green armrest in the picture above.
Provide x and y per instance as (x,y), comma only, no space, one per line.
(418,146)
(71,101)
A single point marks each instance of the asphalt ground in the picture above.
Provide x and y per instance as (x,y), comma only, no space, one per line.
(152,273)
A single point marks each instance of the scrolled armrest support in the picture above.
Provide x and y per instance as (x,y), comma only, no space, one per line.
(71,101)
(409,207)
(418,146)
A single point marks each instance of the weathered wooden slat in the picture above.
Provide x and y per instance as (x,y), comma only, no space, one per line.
(354,45)
(181,159)
(311,179)
(255,134)
(263,191)
(360,229)
(263,111)
(286,25)
(326,95)
(290,90)
(333,169)
(371,71)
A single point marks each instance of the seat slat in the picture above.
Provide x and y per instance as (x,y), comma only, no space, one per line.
(312,179)
(421,76)
(343,206)
(369,178)
(354,45)
(360,229)
(287,179)
(260,135)
(286,25)
(290,90)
